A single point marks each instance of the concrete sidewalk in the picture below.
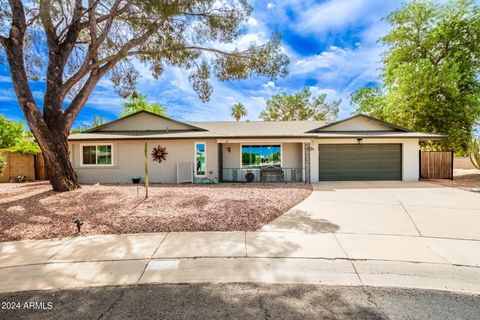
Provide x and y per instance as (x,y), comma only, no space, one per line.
(269,257)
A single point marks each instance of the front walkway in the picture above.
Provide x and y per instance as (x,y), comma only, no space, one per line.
(398,235)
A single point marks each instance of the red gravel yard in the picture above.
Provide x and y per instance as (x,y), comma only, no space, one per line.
(34,211)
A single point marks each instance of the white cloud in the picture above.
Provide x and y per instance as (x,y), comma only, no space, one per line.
(269,84)
(5,79)
(337,71)
(336,14)
(7,95)
(338,64)
(252,21)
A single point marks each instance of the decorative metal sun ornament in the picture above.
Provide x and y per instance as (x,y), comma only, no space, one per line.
(159,154)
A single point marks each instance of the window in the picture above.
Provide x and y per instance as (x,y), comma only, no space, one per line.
(200,159)
(261,156)
(97,155)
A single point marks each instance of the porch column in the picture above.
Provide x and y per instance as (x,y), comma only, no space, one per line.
(306,162)
(220,162)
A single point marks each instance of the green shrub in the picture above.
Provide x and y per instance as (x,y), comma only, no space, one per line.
(3,162)
(25,146)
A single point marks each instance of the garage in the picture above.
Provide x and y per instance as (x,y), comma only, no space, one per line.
(357,162)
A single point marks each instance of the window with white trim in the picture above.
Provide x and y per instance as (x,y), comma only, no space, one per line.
(97,155)
(255,156)
(200,159)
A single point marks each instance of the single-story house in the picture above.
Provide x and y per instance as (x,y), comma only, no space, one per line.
(357,148)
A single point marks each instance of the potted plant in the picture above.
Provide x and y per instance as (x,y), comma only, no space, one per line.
(136,180)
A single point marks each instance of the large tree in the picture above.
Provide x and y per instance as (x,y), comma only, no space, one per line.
(430,73)
(72,44)
(137,102)
(299,106)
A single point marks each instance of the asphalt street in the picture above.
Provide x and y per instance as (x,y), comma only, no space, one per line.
(239,301)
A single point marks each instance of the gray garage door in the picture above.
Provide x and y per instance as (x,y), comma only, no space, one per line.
(350,162)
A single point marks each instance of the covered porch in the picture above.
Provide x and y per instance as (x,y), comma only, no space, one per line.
(263,161)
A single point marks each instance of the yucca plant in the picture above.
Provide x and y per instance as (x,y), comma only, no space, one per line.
(475,153)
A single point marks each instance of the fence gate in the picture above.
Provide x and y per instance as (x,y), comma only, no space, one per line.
(184,172)
(436,164)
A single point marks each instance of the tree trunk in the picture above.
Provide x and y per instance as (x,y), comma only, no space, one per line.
(51,127)
(59,168)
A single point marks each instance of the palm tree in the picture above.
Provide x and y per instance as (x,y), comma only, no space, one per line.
(238,111)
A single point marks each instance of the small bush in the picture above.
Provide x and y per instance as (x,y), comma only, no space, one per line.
(3,162)
(25,146)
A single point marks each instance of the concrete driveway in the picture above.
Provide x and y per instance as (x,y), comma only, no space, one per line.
(416,209)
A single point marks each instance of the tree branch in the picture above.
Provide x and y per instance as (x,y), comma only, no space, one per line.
(91,58)
(108,25)
(213,50)
(15,56)
(105,17)
(82,96)
(93,47)
(72,34)
(47,23)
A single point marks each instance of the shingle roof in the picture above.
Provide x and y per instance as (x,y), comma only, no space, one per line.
(383,123)
(140,135)
(219,129)
(249,129)
(260,128)
(378,134)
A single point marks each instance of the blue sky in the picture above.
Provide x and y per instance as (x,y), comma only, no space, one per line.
(332,47)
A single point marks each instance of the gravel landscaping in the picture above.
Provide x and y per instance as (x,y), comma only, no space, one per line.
(464,179)
(34,211)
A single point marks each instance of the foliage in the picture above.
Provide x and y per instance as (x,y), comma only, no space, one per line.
(430,72)
(13,137)
(159,154)
(11,132)
(238,111)
(370,100)
(25,146)
(475,153)
(299,106)
(98,121)
(137,102)
(83,126)
(3,163)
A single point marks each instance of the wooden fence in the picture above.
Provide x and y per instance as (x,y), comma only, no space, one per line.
(40,170)
(436,164)
(18,164)
(28,165)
